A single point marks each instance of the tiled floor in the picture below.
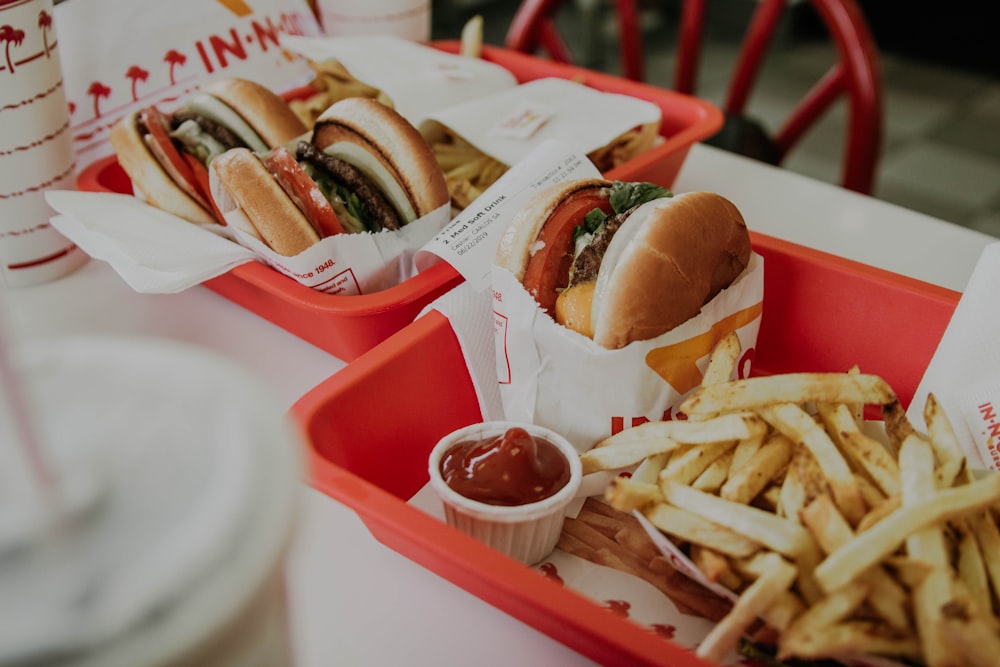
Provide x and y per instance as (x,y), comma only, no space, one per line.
(941,150)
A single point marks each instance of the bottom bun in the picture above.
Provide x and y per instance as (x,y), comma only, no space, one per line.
(149,178)
(671,257)
(277,220)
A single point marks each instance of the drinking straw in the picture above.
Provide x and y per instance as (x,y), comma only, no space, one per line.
(25,452)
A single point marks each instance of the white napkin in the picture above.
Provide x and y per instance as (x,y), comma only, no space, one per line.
(964,374)
(149,248)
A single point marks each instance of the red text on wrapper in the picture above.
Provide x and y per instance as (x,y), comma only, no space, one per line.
(991,431)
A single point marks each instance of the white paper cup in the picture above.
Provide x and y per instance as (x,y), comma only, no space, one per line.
(407,19)
(36,147)
(528,532)
(176,555)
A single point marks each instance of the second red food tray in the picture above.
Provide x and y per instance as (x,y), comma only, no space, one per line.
(347,326)
(821,313)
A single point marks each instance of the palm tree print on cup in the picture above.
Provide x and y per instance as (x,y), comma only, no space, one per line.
(173,57)
(10,36)
(98,91)
(45,24)
(136,74)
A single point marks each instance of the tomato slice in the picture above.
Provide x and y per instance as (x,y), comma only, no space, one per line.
(547,272)
(162,147)
(200,175)
(303,191)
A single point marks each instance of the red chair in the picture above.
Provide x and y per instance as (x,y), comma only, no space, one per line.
(855,75)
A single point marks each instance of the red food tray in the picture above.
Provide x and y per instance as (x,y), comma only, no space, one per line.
(347,326)
(821,313)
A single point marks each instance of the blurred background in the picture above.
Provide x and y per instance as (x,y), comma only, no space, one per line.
(940,72)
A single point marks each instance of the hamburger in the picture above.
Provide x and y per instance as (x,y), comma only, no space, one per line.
(365,169)
(166,155)
(620,262)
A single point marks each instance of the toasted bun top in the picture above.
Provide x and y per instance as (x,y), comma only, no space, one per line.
(516,244)
(278,221)
(386,147)
(155,185)
(264,110)
(670,257)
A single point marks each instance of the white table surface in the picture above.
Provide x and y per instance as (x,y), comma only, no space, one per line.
(352,600)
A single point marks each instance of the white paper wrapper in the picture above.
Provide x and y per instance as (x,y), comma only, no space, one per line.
(964,373)
(121,56)
(344,264)
(555,377)
(158,253)
(509,124)
(418,79)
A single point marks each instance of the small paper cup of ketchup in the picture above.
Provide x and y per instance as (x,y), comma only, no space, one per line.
(507,484)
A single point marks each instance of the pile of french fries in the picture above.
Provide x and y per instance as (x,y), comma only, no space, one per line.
(842,543)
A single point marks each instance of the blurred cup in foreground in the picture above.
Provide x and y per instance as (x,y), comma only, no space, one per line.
(177,480)
(407,19)
(36,146)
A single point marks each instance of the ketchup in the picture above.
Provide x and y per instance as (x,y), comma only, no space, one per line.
(511,469)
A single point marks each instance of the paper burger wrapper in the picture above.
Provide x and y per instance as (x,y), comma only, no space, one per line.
(343,264)
(555,377)
(508,124)
(477,141)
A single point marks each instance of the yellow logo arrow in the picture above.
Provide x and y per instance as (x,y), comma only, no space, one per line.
(677,363)
(238,7)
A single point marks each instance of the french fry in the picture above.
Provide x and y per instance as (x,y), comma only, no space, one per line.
(715,475)
(988,539)
(934,592)
(863,451)
(731,426)
(687,466)
(625,454)
(793,421)
(776,576)
(838,545)
(970,564)
(793,494)
(828,611)
(745,451)
(752,393)
(689,527)
(940,431)
(471,37)
(626,494)
(781,535)
(722,361)
(750,479)
(715,567)
(849,640)
(650,467)
(831,531)
(887,535)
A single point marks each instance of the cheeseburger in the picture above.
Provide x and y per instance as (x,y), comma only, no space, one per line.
(366,169)
(166,155)
(620,262)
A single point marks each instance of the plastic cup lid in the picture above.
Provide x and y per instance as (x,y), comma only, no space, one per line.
(186,501)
